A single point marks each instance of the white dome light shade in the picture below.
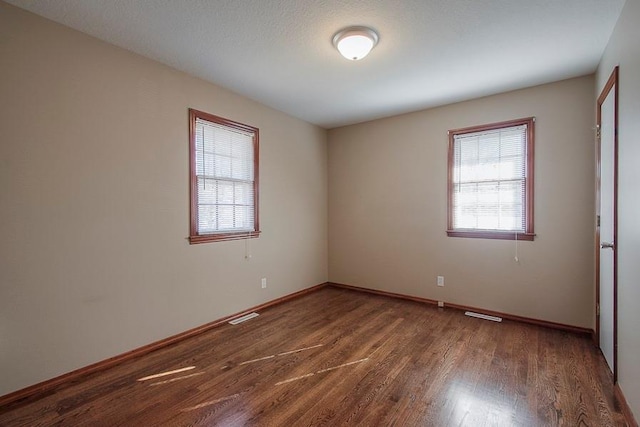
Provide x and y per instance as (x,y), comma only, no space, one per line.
(355,43)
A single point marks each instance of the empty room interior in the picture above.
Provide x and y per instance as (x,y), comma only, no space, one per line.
(412,213)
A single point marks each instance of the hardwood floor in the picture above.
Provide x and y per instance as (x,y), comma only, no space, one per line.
(341,357)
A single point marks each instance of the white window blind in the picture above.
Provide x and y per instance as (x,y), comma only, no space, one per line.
(224,163)
(489,180)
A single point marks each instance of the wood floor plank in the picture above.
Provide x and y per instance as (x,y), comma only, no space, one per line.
(340,357)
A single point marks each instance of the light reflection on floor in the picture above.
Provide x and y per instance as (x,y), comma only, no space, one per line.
(164,374)
(473,408)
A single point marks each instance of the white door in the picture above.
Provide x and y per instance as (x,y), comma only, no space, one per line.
(607,221)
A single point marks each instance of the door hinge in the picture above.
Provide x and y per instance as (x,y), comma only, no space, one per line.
(597,309)
(598,132)
(598,220)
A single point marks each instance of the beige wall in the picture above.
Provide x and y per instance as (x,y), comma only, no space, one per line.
(94,203)
(387,208)
(624,50)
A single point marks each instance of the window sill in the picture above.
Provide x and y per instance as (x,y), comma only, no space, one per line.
(221,237)
(486,234)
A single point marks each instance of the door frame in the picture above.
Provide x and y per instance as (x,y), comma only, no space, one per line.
(612,83)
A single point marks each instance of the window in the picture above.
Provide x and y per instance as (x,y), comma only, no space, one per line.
(491,181)
(224,179)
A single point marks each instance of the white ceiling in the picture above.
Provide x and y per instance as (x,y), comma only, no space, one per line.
(279,52)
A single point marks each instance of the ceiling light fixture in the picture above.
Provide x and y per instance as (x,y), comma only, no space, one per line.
(354,43)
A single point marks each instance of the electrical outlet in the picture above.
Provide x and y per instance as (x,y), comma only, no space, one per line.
(440,280)
(264,282)
(440,304)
